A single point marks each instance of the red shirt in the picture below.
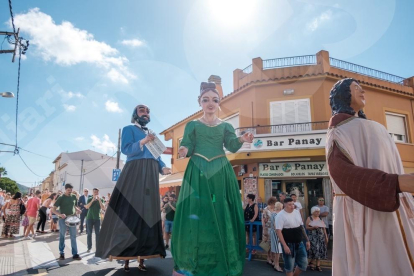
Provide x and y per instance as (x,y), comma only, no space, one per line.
(32,206)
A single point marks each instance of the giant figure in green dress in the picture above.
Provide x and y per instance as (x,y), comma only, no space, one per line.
(208,236)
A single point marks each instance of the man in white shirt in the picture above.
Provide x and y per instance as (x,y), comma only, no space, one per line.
(290,231)
(298,205)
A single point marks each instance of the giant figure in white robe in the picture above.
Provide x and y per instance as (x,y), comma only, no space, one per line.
(373,209)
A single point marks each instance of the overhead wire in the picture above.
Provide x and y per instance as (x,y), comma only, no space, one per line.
(12,16)
(94,168)
(29,167)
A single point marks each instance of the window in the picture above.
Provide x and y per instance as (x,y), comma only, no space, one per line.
(178,146)
(397,127)
(290,116)
(233,120)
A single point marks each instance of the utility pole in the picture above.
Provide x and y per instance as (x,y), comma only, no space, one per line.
(80,183)
(16,37)
(118,153)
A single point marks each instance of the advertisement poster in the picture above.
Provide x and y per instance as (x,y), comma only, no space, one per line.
(250,186)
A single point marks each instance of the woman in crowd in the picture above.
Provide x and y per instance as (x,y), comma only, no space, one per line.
(163,214)
(12,221)
(25,220)
(43,213)
(267,224)
(250,214)
(4,209)
(318,239)
(207,238)
(275,246)
(54,217)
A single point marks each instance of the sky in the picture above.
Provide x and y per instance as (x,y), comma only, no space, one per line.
(90,63)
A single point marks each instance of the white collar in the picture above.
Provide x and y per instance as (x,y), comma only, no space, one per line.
(138,125)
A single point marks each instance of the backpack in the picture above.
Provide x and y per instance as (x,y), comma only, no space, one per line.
(22,208)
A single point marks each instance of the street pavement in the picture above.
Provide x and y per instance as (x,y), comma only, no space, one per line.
(40,257)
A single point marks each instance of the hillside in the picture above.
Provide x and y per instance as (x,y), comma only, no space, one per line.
(23,189)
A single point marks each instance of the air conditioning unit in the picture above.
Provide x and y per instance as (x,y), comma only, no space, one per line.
(240,174)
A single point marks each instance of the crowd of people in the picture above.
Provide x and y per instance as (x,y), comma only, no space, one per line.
(287,213)
(40,207)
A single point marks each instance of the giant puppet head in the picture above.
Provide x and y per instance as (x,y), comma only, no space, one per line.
(141,115)
(341,98)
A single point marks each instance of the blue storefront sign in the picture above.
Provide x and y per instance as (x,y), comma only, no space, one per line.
(115,174)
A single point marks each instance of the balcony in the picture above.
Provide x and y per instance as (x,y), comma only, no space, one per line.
(274,130)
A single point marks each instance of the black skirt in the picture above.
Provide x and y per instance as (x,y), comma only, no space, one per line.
(132,223)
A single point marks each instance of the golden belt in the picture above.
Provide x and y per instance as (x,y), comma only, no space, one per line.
(211,159)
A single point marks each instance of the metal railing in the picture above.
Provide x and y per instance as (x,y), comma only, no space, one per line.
(289,62)
(284,128)
(248,69)
(355,68)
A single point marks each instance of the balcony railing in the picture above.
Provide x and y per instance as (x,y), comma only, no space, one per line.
(289,61)
(355,68)
(248,69)
(284,128)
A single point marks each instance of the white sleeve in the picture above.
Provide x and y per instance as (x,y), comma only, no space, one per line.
(279,222)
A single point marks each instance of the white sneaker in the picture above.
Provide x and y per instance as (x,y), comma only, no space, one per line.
(27,238)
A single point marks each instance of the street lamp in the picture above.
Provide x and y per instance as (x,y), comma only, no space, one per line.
(7,94)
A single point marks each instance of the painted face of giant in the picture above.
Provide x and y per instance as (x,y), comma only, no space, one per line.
(209,101)
(357,97)
(142,115)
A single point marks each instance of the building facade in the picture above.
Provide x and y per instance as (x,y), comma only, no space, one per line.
(285,103)
(85,169)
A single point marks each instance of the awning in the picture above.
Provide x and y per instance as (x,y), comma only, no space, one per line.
(171,180)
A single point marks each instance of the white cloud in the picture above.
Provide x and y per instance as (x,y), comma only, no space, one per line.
(115,76)
(105,145)
(67,45)
(79,138)
(70,95)
(112,107)
(133,42)
(69,108)
(318,21)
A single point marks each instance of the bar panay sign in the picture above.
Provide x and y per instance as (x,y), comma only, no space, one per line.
(293,169)
(316,140)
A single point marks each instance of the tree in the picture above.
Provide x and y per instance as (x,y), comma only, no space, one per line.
(2,171)
(9,185)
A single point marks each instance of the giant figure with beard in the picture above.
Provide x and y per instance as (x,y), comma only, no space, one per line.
(132,223)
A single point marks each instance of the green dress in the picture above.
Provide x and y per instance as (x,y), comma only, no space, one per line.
(208,237)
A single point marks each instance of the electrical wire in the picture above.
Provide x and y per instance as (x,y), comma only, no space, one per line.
(94,168)
(17,92)
(7,144)
(11,15)
(29,167)
(35,153)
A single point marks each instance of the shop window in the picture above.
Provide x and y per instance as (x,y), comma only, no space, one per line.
(397,127)
(290,116)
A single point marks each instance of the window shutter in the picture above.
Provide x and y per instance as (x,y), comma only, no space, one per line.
(396,124)
(276,113)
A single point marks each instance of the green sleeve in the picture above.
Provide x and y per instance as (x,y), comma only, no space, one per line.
(57,203)
(231,141)
(189,138)
(89,200)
